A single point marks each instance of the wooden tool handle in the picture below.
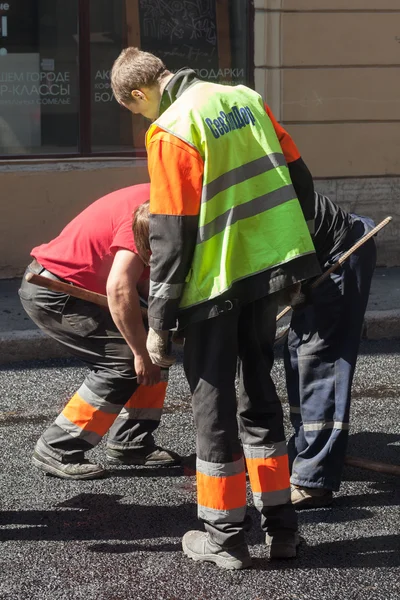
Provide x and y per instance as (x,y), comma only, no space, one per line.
(73,290)
(66,288)
(372,465)
(341,260)
(349,252)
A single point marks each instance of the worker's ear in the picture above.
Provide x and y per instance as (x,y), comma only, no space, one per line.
(138,95)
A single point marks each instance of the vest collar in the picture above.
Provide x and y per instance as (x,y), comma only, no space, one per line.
(180,82)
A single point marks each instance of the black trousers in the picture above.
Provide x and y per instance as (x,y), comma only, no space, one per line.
(109,399)
(229,430)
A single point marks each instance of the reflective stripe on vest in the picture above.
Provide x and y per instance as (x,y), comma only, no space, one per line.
(250,219)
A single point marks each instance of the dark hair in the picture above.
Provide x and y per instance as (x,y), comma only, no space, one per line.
(132,70)
(140,227)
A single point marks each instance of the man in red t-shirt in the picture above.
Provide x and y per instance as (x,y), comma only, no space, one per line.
(97,251)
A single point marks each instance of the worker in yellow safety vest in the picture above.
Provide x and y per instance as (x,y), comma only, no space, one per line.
(227,232)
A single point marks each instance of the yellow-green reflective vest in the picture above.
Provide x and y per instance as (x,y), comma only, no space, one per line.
(250,219)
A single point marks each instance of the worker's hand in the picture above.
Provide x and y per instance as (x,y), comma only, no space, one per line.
(178,338)
(286,295)
(157,342)
(302,298)
(147,372)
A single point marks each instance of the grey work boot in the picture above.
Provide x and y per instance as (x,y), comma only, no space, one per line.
(305,497)
(282,544)
(150,456)
(198,546)
(67,470)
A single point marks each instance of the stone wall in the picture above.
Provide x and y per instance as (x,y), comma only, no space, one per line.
(330,70)
(38,198)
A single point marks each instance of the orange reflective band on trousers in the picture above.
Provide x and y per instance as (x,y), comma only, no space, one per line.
(268,474)
(87,417)
(221,493)
(148,396)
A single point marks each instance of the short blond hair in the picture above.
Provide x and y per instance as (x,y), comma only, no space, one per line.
(132,70)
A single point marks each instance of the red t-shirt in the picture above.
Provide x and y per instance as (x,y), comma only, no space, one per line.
(84,251)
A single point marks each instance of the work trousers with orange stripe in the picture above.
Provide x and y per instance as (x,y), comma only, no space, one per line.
(232,433)
(109,398)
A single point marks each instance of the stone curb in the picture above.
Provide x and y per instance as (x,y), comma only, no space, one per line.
(28,344)
(32,344)
(382,324)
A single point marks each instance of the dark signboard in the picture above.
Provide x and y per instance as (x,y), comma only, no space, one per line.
(181,33)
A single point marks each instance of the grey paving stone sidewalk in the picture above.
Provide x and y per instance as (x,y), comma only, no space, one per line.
(20,339)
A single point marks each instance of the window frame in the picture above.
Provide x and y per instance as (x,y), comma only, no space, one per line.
(84,90)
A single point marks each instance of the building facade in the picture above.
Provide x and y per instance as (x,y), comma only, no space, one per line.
(329,72)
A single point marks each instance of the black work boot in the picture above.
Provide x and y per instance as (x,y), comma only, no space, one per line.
(149,456)
(82,469)
(282,544)
(198,545)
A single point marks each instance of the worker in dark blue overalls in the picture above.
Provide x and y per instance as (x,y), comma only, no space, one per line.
(321,352)
(324,336)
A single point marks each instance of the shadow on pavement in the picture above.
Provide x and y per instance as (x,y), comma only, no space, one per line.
(138,471)
(371,347)
(336,513)
(375,446)
(373,552)
(98,517)
(186,468)
(103,517)
(129,548)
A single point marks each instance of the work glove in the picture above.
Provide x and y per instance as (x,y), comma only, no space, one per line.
(157,344)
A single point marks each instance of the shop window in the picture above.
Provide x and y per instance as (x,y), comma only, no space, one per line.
(56,56)
(111,126)
(38,77)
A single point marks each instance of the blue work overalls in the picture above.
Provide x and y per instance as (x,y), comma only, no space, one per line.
(320,357)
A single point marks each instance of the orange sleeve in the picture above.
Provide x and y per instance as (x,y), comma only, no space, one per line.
(176,175)
(288,146)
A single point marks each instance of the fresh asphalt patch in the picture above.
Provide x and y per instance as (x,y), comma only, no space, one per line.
(119,538)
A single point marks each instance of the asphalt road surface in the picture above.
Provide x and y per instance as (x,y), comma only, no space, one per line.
(120,538)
